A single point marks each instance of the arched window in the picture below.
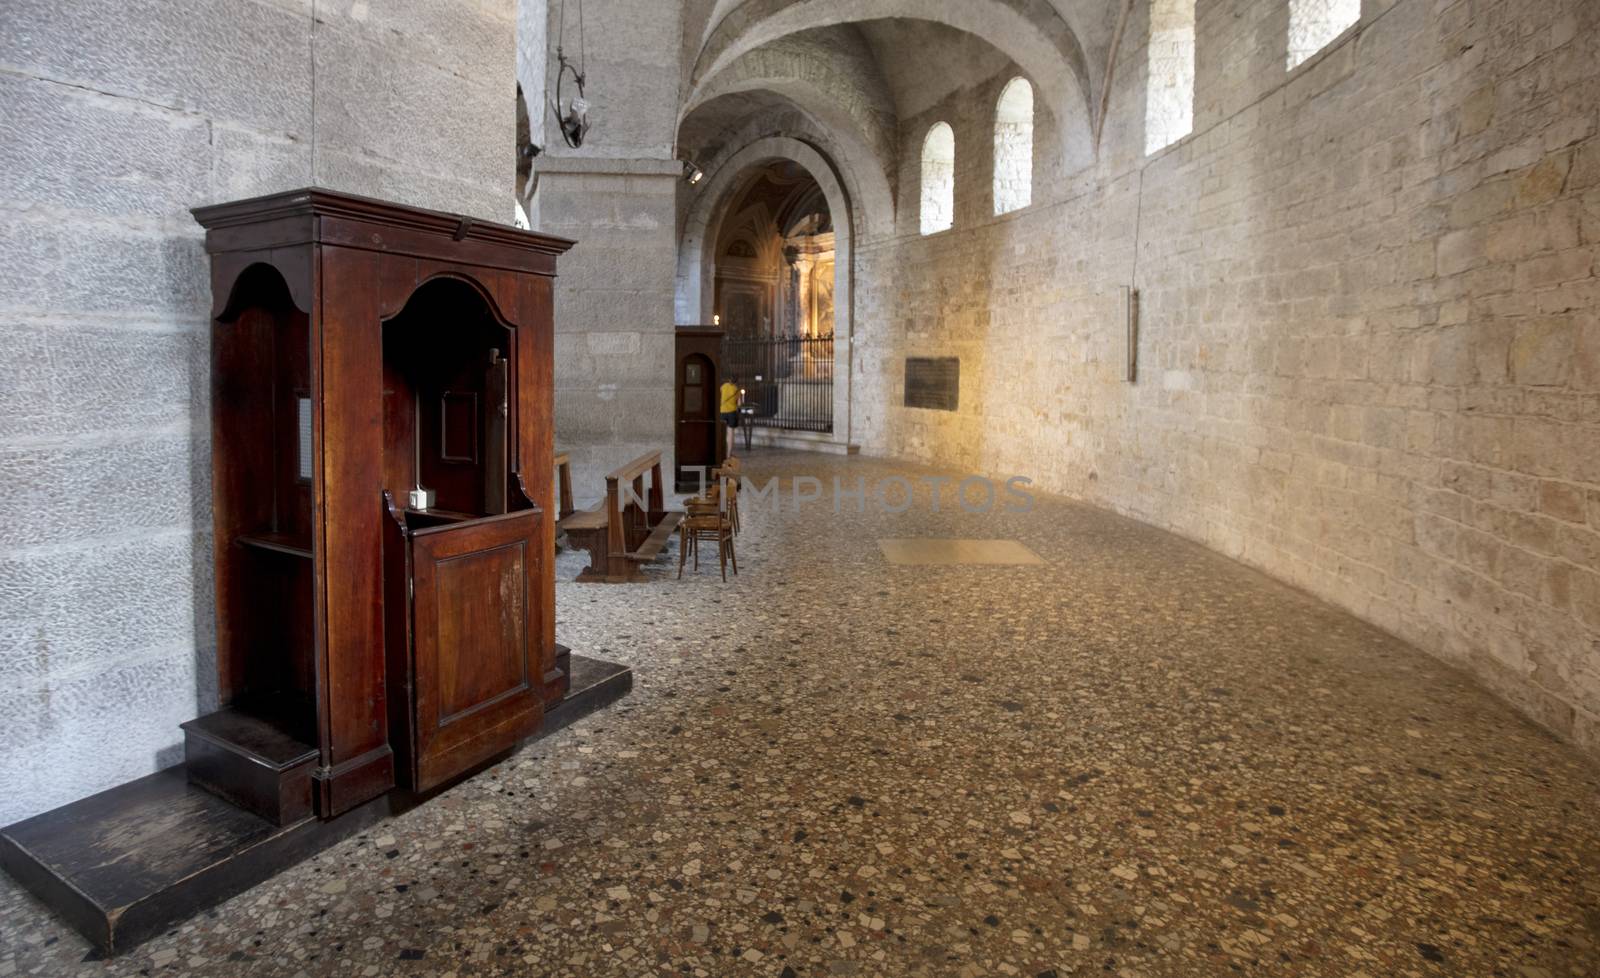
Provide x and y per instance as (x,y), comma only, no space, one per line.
(938,179)
(1169,94)
(1313,25)
(1013,147)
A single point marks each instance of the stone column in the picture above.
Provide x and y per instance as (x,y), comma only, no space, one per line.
(614,310)
(807,324)
(616,195)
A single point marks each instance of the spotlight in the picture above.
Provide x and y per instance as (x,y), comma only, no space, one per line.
(692,173)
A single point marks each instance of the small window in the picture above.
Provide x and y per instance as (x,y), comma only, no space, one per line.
(1314,24)
(1169,94)
(938,179)
(1013,148)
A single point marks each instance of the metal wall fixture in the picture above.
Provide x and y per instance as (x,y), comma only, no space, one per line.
(572,114)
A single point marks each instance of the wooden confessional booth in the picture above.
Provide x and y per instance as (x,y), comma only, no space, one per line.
(382,401)
(382,482)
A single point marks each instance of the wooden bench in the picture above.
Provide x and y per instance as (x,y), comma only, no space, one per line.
(564,507)
(629,529)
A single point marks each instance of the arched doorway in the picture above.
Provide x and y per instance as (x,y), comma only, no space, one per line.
(811,216)
(698,447)
(775,258)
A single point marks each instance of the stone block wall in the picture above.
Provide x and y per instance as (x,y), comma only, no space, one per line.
(614,306)
(617,196)
(115,118)
(1369,359)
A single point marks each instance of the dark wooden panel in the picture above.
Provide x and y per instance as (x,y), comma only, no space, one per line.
(352,233)
(458,426)
(473,591)
(489,640)
(933,383)
(123,865)
(348,377)
(536,404)
(284,232)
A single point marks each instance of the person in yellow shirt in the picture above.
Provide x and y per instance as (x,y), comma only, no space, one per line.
(729,409)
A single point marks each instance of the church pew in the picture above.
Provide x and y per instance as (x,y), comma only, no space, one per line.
(629,529)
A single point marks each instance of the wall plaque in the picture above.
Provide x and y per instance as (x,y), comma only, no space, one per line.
(933,383)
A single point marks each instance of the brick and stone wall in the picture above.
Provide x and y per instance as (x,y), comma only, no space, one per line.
(115,118)
(1369,359)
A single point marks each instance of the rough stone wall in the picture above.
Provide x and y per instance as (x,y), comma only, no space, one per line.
(1369,359)
(614,312)
(115,118)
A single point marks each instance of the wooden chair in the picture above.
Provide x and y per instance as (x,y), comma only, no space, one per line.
(726,475)
(731,495)
(709,519)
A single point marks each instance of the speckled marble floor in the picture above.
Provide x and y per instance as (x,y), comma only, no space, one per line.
(1140,759)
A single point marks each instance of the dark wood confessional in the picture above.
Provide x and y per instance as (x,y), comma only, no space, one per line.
(369,637)
(383,481)
(699,432)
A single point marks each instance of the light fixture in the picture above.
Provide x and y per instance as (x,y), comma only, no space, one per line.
(692,173)
(716,320)
(572,116)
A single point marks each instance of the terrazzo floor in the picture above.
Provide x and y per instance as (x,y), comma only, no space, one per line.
(1138,759)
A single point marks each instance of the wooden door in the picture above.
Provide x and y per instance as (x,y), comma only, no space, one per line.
(475,595)
(697,416)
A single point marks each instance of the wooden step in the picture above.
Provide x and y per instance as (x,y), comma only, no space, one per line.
(128,863)
(250,757)
(586,519)
(658,538)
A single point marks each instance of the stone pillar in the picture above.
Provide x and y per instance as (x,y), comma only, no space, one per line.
(614,310)
(617,197)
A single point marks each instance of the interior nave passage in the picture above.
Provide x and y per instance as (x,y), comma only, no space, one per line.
(1138,754)
(1288,310)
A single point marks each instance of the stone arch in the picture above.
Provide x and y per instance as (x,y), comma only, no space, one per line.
(696,263)
(830,75)
(695,267)
(1031,32)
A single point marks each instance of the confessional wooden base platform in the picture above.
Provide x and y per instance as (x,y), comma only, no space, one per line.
(123,865)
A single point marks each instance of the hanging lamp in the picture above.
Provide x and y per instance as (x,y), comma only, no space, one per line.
(572,115)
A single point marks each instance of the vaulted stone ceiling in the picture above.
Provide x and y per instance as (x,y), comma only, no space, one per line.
(846,75)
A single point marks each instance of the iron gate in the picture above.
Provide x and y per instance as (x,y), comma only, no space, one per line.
(788,383)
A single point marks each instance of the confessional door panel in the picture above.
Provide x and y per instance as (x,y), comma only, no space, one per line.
(697,417)
(475,636)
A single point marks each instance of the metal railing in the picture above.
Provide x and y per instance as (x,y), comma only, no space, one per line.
(788,382)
